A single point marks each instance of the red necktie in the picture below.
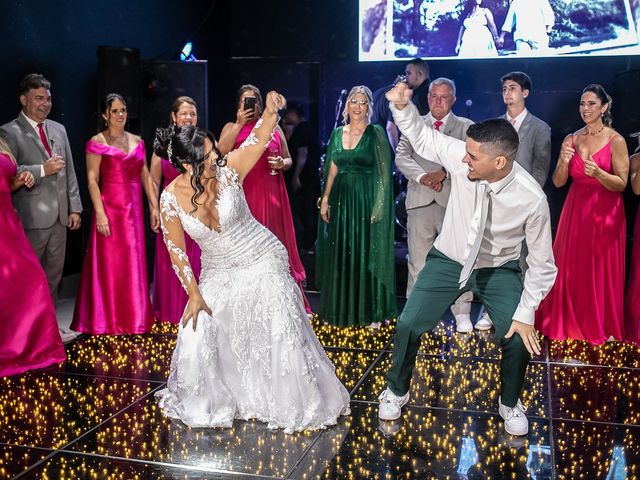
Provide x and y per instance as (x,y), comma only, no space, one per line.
(43,139)
(437,124)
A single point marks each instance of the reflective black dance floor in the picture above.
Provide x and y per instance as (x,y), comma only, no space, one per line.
(95,417)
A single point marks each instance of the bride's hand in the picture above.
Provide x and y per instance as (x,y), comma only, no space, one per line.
(194,307)
(275,102)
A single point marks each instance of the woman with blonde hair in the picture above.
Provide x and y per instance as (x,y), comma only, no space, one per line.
(355,257)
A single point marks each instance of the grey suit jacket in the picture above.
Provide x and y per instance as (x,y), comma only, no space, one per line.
(534,151)
(411,165)
(53,197)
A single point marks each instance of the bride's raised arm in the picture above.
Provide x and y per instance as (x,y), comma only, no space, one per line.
(246,155)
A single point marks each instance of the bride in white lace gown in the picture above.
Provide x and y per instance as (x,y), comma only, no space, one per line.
(250,351)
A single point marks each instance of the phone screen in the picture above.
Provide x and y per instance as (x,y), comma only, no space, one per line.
(249,103)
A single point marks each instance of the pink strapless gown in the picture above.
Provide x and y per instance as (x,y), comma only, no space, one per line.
(268,202)
(29,335)
(169,298)
(113,297)
(632,299)
(586,301)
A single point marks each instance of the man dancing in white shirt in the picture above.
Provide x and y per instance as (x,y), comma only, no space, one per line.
(493,206)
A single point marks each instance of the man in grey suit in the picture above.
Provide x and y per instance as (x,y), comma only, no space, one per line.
(534,150)
(41,146)
(428,189)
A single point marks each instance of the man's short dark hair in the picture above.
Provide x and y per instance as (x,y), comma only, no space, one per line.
(420,65)
(520,78)
(33,81)
(496,135)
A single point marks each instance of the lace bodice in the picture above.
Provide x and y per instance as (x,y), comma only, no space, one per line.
(241,240)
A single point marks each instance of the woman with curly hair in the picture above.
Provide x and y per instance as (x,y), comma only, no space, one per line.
(249,351)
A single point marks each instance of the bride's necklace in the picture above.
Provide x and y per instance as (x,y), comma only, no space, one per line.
(595,133)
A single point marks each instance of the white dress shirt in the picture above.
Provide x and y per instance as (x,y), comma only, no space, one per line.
(518,211)
(517,122)
(34,125)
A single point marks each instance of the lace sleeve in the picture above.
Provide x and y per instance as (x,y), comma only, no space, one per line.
(173,236)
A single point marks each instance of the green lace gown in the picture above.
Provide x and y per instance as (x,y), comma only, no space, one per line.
(355,258)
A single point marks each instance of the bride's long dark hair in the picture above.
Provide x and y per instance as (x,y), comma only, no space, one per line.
(185,146)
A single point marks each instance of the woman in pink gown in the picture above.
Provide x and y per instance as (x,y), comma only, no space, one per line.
(632,298)
(114,289)
(169,298)
(29,335)
(264,187)
(586,302)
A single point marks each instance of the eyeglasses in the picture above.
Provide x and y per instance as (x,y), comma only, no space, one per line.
(353,101)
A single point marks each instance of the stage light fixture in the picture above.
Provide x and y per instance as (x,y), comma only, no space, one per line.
(186,54)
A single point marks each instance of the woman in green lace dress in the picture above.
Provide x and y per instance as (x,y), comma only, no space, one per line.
(355,258)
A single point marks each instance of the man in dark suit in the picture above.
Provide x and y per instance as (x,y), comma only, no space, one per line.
(41,146)
(534,150)
(417,77)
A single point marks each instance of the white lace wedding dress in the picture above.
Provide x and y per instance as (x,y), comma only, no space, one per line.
(256,356)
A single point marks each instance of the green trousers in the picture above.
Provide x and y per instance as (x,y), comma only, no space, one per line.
(436,288)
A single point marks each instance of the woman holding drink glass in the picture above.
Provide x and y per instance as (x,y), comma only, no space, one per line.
(264,186)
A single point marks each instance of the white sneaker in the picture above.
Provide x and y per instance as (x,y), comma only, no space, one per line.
(463,323)
(515,421)
(391,405)
(484,323)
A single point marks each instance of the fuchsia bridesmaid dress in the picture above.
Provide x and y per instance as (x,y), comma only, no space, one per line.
(632,299)
(113,297)
(169,298)
(29,335)
(586,301)
(268,202)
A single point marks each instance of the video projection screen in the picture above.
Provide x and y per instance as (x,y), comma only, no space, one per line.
(431,29)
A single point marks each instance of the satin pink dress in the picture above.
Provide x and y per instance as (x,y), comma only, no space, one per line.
(29,335)
(169,298)
(632,298)
(586,301)
(113,297)
(268,202)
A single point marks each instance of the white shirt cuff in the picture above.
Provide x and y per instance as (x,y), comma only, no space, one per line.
(417,179)
(42,171)
(524,315)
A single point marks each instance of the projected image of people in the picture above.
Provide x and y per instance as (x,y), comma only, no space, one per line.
(478,32)
(398,29)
